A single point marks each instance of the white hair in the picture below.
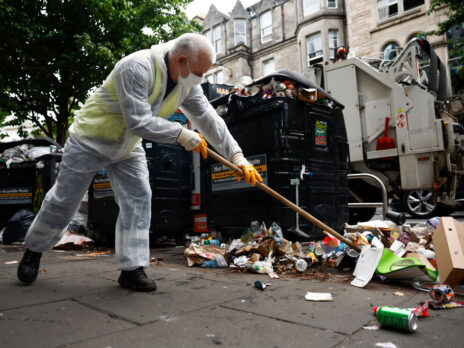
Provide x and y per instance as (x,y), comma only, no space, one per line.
(191,45)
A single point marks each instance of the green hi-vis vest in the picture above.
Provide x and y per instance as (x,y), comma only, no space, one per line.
(96,120)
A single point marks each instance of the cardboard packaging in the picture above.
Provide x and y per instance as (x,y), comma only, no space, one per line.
(448,241)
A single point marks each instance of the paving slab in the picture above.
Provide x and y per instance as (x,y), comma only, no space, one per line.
(171,299)
(55,324)
(217,326)
(14,294)
(431,332)
(288,303)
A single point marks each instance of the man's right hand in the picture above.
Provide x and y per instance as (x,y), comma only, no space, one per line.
(192,141)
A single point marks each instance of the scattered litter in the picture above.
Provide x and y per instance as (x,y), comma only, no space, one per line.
(154,261)
(73,241)
(96,253)
(397,293)
(197,254)
(318,296)
(210,335)
(374,327)
(397,318)
(386,345)
(448,241)
(10,262)
(441,293)
(260,285)
(42,271)
(449,305)
(273,275)
(367,263)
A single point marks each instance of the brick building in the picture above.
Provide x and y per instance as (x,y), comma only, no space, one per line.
(294,34)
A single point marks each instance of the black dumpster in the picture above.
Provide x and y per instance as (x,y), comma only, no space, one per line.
(23,185)
(215,90)
(290,142)
(170,173)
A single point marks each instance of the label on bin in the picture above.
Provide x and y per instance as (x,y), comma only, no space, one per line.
(16,195)
(222,178)
(320,133)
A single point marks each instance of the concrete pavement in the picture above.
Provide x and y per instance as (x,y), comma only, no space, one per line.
(76,302)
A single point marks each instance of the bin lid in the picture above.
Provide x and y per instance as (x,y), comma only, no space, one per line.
(42,141)
(282,75)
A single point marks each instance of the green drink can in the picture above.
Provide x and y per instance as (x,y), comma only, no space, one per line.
(397,318)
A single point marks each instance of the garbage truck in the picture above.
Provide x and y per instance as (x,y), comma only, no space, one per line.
(397,126)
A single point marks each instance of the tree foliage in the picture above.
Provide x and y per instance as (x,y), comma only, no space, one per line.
(52,52)
(455,14)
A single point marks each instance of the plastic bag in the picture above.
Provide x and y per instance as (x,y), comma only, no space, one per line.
(17,226)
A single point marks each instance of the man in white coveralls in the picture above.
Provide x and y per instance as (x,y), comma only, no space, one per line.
(134,102)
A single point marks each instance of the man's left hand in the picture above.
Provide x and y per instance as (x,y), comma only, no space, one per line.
(249,171)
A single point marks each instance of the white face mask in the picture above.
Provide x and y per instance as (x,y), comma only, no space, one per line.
(190,81)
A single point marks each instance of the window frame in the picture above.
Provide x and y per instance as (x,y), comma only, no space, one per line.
(236,20)
(209,35)
(266,62)
(332,49)
(404,8)
(316,57)
(336,4)
(390,3)
(216,75)
(385,46)
(217,40)
(261,16)
(306,10)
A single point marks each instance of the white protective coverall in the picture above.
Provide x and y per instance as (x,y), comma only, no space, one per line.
(107,134)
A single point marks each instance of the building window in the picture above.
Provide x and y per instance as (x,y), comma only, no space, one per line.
(390,51)
(268,66)
(332,3)
(387,8)
(209,78)
(208,35)
(333,43)
(218,38)
(266,26)
(219,76)
(240,31)
(409,4)
(455,62)
(314,43)
(310,6)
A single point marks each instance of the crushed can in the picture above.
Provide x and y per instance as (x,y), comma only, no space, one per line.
(441,293)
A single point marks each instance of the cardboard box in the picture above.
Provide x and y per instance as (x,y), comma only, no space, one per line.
(448,241)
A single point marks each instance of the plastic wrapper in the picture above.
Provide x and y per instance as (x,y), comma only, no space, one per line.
(241,261)
(263,267)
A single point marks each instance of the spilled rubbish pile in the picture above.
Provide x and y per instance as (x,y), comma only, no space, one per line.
(383,244)
(415,255)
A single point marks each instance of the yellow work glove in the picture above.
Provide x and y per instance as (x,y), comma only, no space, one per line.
(192,141)
(249,171)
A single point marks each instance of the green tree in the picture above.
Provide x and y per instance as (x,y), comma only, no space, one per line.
(455,14)
(52,52)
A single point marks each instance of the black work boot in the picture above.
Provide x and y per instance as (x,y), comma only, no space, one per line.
(136,280)
(29,267)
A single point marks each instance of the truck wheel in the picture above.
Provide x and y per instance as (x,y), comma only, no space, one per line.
(360,215)
(419,204)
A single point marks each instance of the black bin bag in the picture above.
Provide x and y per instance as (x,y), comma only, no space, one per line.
(17,226)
